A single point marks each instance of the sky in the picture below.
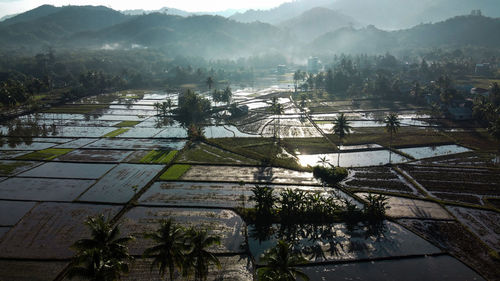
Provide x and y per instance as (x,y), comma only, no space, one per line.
(8,7)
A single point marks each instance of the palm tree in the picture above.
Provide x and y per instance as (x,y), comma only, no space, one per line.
(170,248)
(280,262)
(264,200)
(104,256)
(209,82)
(199,258)
(392,125)
(341,127)
(494,130)
(277,109)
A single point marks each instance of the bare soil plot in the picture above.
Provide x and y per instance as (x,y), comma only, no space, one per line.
(334,242)
(49,230)
(478,181)
(42,189)
(4,230)
(137,144)
(17,270)
(234,268)
(400,207)
(223,223)
(68,170)
(11,211)
(454,238)
(378,179)
(121,183)
(10,168)
(469,159)
(485,224)
(94,155)
(207,154)
(445,268)
(248,174)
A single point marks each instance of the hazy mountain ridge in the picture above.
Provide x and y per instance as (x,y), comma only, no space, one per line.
(315,22)
(456,32)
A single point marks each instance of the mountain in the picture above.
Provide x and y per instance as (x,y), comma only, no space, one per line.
(456,32)
(177,12)
(40,26)
(281,13)
(397,14)
(206,36)
(315,22)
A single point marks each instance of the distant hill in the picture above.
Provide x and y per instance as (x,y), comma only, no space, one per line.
(30,15)
(284,12)
(211,36)
(177,12)
(39,26)
(455,33)
(397,14)
(315,22)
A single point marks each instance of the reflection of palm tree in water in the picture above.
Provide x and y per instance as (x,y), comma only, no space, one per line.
(264,174)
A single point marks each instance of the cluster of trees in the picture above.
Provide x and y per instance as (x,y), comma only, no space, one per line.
(192,108)
(222,96)
(105,257)
(295,206)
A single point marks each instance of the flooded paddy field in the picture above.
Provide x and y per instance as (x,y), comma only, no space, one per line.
(114,154)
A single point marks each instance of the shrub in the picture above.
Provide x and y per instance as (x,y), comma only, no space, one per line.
(330,175)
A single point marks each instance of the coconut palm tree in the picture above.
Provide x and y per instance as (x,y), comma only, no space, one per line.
(280,264)
(392,125)
(494,130)
(199,258)
(341,127)
(277,109)
(169,249)
(210,82)
(104,256)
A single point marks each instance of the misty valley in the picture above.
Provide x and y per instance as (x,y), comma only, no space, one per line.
(316,140)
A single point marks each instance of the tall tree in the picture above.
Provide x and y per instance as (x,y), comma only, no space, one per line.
(277,109)
(210,82)
(169,249)
(392,125)
(494,130)
(280,264)
(341,128)
(104,256)
(199,258)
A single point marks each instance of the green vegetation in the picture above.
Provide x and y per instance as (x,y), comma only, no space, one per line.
(77,109)
(116,132)
(159,157)
(127,124)
(264,150)
(204,153)
(330,175)
(175,172)
(8,169)
(104,256)
(308,145)
(280,264)
(46,154)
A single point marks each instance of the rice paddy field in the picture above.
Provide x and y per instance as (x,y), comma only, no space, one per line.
(114,155)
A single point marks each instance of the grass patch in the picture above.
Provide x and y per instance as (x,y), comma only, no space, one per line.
(159,157)
(8,169)
(116,132)
(203,153)
(46,154)
(478,82)
(77,108)
(266,151)
(308,145)
(406,136)
(127,124)
(175,172)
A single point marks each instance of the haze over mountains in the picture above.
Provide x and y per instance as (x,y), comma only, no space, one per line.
(300,28)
